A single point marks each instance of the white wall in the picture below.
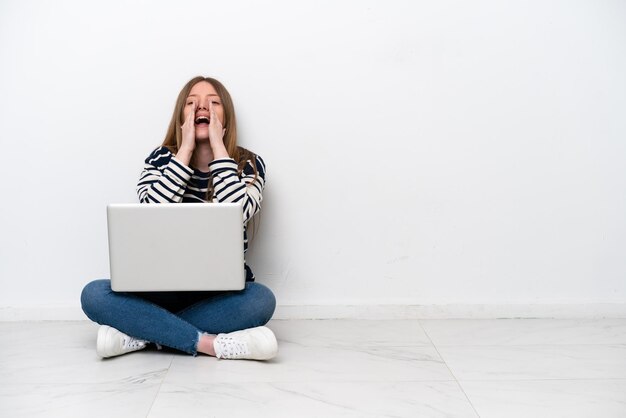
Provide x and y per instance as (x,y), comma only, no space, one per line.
(422,153)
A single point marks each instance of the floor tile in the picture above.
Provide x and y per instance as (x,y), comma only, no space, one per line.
(535,362)
(525,331)
(129,398)
(315,399)
(349,332)
(548,398)
(65,352)
(299,363)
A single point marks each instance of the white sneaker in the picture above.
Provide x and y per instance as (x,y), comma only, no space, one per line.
(253,344)
(112,342)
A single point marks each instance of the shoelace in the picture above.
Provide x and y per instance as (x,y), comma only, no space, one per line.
(231,348)
(131,343)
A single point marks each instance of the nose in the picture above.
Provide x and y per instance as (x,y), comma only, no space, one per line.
(203,104)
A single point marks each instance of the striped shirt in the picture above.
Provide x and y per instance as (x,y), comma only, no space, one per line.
(165,179)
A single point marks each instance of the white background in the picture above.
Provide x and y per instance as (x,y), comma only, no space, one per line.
(423,153)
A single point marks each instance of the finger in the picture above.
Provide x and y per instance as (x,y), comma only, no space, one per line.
(192,114)
(186,119)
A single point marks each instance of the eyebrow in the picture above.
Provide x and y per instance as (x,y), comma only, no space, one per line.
(207,95)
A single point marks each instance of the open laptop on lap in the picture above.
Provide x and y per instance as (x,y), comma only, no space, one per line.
(176,247)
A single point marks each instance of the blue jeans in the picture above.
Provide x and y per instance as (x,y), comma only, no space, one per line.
(177,319)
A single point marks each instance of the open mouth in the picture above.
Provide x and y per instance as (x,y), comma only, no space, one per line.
(201,120)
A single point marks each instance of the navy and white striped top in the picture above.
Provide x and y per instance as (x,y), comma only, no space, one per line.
(165,179)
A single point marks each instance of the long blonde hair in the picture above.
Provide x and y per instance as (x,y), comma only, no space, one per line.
(173,137)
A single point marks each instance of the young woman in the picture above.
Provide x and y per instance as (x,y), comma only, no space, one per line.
(199,161)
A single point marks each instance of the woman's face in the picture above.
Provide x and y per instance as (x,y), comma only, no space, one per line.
(201,94)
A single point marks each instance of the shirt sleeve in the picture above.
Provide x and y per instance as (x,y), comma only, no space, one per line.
(231,187)
(163,179)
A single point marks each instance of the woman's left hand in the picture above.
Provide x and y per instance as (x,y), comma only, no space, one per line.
(216,131)
(216,135)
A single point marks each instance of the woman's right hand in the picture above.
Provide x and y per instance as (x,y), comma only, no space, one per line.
(189,131)
(188,143)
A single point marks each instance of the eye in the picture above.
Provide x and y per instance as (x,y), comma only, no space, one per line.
(216,103)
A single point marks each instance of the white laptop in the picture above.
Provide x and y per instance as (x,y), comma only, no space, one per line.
(176,247)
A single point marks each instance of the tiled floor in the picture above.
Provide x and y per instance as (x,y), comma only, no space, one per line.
(333,368)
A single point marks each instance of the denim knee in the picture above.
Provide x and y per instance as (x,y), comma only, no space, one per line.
(265,301)
(91,298)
